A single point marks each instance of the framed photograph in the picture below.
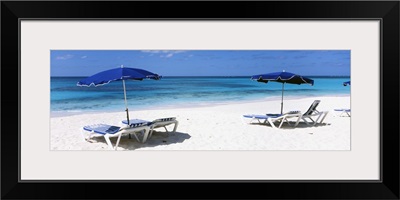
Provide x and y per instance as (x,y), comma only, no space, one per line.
(283,95)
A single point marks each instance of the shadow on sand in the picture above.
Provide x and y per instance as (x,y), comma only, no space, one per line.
(288,127)
(157,139)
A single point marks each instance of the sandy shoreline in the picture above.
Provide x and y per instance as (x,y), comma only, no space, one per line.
(186,105)
(215,127)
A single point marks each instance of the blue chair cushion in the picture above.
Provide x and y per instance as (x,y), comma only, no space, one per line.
(102,128)
(262,116)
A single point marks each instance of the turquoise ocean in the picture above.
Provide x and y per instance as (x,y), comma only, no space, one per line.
(67,97)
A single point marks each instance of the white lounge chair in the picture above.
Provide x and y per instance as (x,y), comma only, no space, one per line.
(272,118)
(343,111)
(158,123)
(108,131)
(312,112)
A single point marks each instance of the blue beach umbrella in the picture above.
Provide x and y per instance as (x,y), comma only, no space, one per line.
(117,74)
(346,83)
(283,77)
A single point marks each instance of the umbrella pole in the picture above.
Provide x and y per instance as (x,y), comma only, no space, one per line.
(126,103)
(283,86)
(126,106)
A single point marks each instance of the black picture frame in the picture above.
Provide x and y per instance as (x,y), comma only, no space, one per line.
(386,11)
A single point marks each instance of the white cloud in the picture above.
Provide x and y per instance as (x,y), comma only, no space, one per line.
(174,52)
(83,57)
(64,57)
(164,53)
(150,51)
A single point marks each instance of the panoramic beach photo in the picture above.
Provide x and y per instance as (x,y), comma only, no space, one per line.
(200,100)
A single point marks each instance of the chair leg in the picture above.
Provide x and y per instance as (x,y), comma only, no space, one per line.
(325,114)
(280,125)
(136,137)
(118,140)
(297,121)
(287,121)
(344,112)
(176,126)
(107,138)
(312,120)
(83,133)
(305,121)
(319,116)
(271,123)
(145,135)
(151,132)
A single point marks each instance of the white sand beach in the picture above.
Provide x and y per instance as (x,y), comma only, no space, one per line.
(215,127)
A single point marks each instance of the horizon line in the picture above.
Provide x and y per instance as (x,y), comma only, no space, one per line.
(212,76)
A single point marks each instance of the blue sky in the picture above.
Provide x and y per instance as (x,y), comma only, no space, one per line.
(203,62)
